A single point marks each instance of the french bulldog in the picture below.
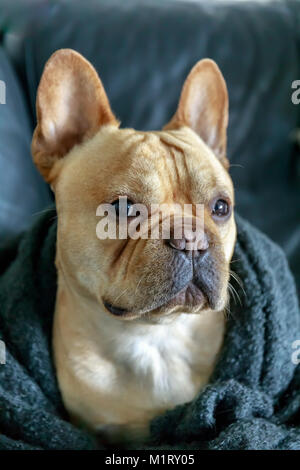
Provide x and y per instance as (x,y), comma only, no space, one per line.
(139,322)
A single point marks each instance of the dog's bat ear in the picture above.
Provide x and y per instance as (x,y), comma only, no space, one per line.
(203,106)
(71,106)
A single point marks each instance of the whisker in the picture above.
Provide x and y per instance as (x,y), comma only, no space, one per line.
(119,296)
(235,260)
(236,165)
(229,313)
(43,211)
(238,280)
(138,284)
(231,291)
(235,295)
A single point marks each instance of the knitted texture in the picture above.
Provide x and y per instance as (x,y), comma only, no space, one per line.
(251,402)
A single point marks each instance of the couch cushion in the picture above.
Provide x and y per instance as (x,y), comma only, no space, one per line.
(22,190)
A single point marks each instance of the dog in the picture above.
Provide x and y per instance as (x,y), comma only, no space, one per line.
(139,323)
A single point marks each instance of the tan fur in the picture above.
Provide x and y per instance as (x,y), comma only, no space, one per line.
(115,374)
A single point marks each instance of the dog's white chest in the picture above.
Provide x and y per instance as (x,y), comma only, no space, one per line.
(169,363)
(127,376)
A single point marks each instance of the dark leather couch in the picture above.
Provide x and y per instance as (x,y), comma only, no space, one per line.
(143,50)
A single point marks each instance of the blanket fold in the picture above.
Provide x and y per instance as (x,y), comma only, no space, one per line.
(251,402)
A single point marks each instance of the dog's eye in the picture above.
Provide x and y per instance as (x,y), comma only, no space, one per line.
(128,206)
(221,208)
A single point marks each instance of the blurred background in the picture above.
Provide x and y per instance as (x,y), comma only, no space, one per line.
(143,50)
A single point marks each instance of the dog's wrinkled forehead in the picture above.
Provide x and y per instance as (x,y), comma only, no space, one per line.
(156,167)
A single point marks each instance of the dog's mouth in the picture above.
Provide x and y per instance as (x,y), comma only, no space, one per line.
(190,296)
(191,299)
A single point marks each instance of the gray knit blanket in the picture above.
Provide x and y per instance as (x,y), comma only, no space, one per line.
(251,402)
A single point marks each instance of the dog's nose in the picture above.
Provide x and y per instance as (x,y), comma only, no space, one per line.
(190,241)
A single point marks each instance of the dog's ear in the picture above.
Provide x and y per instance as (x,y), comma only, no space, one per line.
(71,107)
(203,106)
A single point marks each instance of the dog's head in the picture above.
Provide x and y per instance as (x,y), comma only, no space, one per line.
(80,150)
